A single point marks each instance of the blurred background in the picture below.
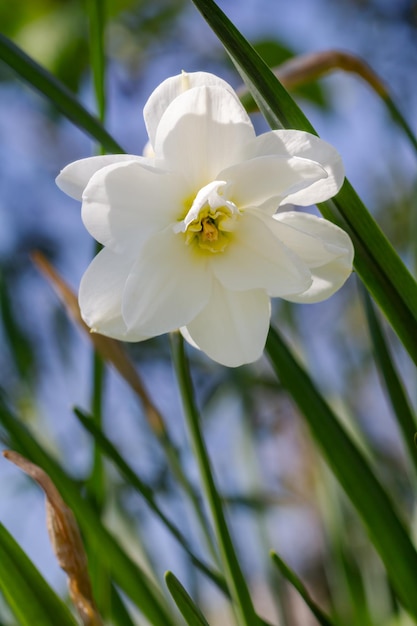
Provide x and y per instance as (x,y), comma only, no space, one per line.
(269,472)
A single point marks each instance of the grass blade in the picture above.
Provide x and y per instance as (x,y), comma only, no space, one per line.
(30,598)
(189,610)
(293,579)
(56,92)
(394,387)
(353,472)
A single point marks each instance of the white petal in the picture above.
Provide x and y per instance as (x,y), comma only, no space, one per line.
(233,327)
(269,178)
(100,296)
(201,133)
(74,178)
(171,88)
(301,144)
(126,202)
(167,287)
(257,258)
(324,247)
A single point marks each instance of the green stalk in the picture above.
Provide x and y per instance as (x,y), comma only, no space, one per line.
(96,11)
(234,576)
(97,20)
(189,491)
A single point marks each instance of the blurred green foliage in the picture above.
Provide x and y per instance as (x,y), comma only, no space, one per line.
(55,32)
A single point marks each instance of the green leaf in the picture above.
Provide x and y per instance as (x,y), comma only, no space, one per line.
(295,581)
(96,484)
(274,53)
(273,100)
(189,610)
(394,387)
(138,484)
(356,585)
(30,598)
(119,613)
(124,571)
(352,470)
(378,265)
(97,11)
(56,92)
(17,340)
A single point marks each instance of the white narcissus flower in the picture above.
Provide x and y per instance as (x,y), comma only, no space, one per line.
(191,234)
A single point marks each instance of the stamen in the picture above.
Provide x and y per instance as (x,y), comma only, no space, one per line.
(209,230)
(210,219)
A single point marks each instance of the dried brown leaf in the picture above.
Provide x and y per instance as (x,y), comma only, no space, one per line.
(308,67)
(65,539)
(109,349)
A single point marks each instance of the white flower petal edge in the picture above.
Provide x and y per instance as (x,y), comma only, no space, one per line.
(203,131)
(269,179)
(324,247)
(74,178)
(233,327)
(301,144)
(101,293)
(170,89)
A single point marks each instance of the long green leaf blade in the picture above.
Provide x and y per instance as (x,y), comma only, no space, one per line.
(119,613)
(352,470)
(395,389)
(295,581)
(376,262)
(56,92)
(28,595)
(378,265)
(189,610)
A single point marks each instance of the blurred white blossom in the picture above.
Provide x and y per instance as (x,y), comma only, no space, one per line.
(192,235)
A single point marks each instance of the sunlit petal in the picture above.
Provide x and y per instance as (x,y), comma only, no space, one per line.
(126,202)
(269,178)
(167,286)
(171,88)
(325,248)
(257,258)
(100,295)
(201,133)
(74,178)
(307,146)
(233,326)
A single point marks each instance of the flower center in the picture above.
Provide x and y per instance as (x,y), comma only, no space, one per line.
(211,219)
(209,231)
